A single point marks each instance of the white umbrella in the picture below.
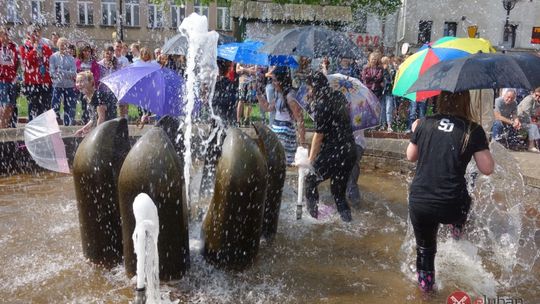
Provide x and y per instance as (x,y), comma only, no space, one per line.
(43,139)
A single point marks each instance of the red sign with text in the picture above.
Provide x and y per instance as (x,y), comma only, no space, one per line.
(364,39)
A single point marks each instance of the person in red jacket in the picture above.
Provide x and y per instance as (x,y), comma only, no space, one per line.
(9,62)
(37,80)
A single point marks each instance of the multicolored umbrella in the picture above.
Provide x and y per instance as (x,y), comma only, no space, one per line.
(364,106)
(446,48)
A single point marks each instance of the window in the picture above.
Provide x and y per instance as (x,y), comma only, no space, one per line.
(12,11)
(86,13)
(108,12)
(450,29)
(223,19)
(200,9)
(424,31)
(178,13)
(155,16)
(37,12)
(61,10)
(132,12)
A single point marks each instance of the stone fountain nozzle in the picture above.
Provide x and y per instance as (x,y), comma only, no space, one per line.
(140,295)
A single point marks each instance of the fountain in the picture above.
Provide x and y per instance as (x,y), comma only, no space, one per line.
(308,260)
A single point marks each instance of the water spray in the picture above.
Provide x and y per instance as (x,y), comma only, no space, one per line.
(301,159)
(145,239)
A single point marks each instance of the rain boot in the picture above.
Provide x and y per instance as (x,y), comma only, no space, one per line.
(425,267)
(312,208)
(344,211)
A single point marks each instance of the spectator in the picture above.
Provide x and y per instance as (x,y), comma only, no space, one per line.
(332,153)
(417,109)
(107,66)
(387,100)
(63,72)
(506,119)
(100,107)
(325,65)
(135,49)
(125,52)
(9,63)
(528,111)
(54,41)
(372,74)
(157,53)
(86,61)
(246,92)
(118,53)
(35,57)
(301,73)
(347,68)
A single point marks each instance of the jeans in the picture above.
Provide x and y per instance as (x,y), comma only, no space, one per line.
(414,105)
(353,192)
(70,103)
(39,99)
(387,107)
(499,129)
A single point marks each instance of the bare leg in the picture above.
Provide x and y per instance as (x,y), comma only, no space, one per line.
(239,111)
(5,116)
(123,109)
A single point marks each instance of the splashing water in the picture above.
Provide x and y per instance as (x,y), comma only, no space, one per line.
(145,238)
(499,249)
(201,71)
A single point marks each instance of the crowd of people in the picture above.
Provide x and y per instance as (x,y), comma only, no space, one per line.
(442,144)
(53,74)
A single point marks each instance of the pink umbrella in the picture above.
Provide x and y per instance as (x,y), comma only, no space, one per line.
(43,139)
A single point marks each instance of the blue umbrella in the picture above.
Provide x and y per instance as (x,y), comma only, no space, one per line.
(247,53)
(149,86)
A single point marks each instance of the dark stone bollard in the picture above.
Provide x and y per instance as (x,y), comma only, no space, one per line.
(274,153)
(231,230)
(153,167)
(96,168)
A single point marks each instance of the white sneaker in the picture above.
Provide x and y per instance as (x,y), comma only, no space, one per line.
(390,129)
(533,149)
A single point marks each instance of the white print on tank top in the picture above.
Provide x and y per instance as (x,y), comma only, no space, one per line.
(445,125)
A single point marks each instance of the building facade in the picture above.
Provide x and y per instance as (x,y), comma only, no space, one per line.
(422,21)
(99,21)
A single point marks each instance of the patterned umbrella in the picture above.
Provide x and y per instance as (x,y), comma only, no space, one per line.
(446,48)
(364,106)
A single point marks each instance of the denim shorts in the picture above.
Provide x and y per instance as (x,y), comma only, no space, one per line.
(8,94)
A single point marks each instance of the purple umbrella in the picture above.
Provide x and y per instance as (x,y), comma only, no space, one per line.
(149,86)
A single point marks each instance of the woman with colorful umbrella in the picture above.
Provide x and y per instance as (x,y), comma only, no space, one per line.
(446,48)
(442,145)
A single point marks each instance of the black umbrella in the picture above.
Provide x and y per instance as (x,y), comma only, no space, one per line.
(481,71)
(312,41)
(178,44)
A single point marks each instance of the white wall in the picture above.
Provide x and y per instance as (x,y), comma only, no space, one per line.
(489,15)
